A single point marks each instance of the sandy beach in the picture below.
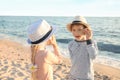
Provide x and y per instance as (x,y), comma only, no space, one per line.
(15,63)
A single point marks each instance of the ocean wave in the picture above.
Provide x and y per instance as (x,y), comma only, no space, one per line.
(102,46)
(108,61)
(64,40)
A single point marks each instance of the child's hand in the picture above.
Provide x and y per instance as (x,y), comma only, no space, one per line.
(88,34)
(53,41)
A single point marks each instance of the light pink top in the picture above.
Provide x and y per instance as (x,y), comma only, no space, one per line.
(44,60)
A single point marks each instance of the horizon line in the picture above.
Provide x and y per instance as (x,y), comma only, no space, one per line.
(62,15)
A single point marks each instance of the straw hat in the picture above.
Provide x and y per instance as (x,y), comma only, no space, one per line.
(40,31)
(79,20)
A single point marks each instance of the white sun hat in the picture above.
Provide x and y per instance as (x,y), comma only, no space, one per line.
(39,32)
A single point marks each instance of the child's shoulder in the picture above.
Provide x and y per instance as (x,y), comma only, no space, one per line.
(71,43)
(48,54)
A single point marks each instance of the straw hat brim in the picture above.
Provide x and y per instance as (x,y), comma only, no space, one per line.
(69,25)
(54,28)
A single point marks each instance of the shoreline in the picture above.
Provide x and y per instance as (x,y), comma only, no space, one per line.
(15,62)
(105,60)
(108,61)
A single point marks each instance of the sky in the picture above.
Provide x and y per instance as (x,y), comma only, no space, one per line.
(60,7)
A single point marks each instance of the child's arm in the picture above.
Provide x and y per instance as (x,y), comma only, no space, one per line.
(69,48)
(56,50)
(57,55)
(92,49)
(91,45)
(56,59)
(55,46)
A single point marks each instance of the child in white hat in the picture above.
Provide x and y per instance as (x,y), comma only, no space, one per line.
(40,34)
(82,49)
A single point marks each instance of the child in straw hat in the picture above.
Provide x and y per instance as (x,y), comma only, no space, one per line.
(82,49)
(40,34)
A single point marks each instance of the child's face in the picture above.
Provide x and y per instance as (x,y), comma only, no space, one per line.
(78,32)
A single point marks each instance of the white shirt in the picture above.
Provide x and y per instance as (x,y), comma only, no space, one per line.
(82,56)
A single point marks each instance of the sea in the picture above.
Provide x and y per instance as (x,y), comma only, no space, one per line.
(106,31)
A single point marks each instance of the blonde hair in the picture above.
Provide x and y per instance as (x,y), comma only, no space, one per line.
(34,49)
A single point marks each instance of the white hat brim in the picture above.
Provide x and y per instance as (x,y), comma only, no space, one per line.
(54,28)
